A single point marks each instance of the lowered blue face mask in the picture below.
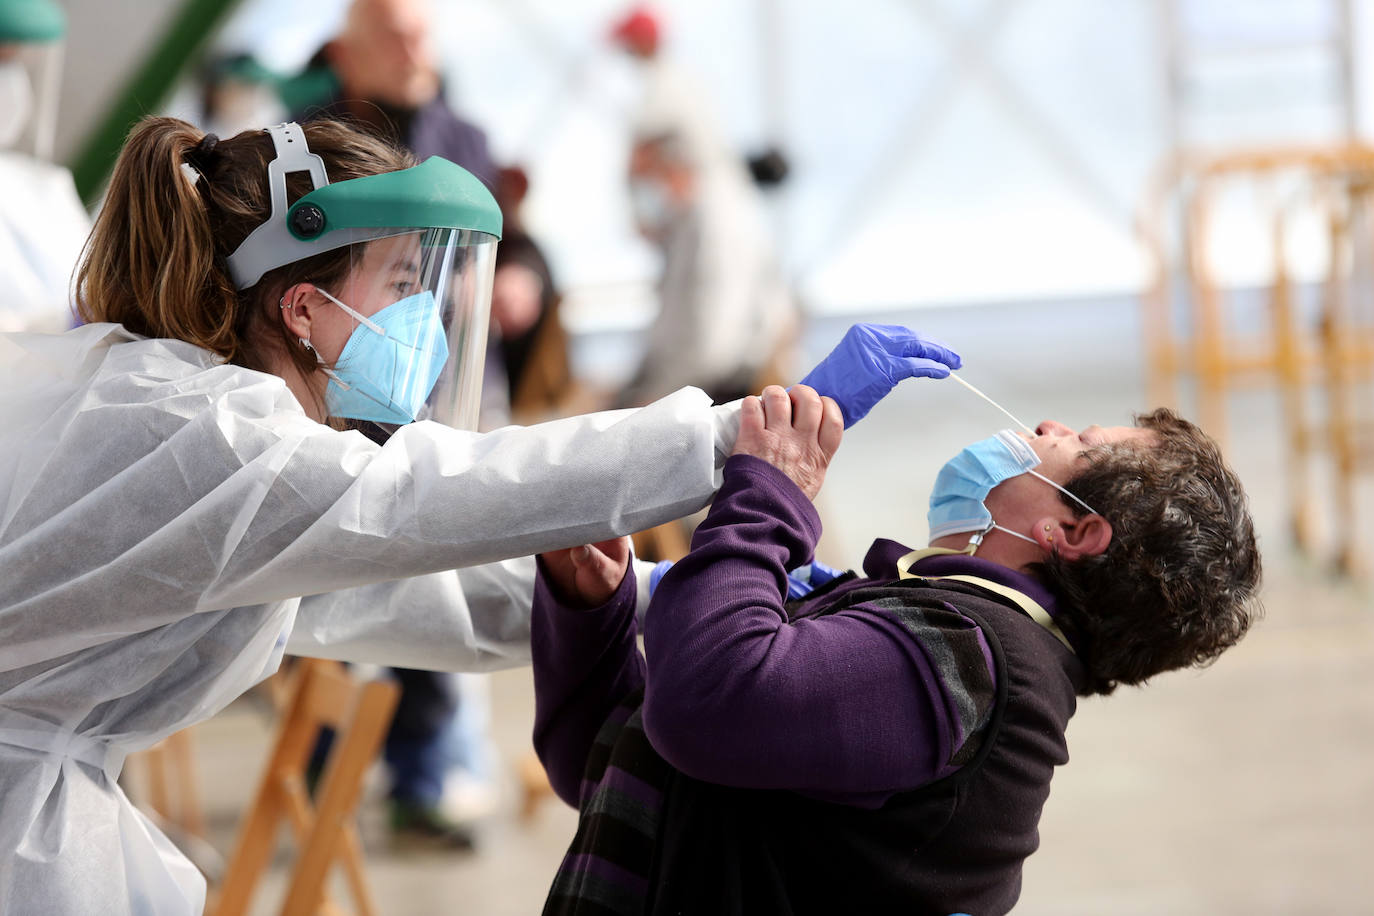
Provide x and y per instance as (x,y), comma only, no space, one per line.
(652,208)
(390,363)
(956,501)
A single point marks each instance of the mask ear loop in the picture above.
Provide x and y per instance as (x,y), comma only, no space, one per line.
(305,342)
(1090,509)
(371,325)
(976,539)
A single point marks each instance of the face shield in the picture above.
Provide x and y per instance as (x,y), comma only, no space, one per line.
(419,305)
(421,258)
(30,75)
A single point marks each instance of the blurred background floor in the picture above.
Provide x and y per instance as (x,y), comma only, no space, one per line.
(1246,788)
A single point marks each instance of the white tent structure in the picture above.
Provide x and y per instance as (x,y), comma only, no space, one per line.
(943,151)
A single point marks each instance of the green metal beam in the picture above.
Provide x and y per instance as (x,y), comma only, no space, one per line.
(146,91)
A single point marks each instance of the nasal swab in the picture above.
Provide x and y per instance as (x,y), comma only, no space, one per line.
(993,403)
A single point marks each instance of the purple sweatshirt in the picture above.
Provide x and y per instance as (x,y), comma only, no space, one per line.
(851,707)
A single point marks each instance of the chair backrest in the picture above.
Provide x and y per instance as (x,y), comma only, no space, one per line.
(322,694)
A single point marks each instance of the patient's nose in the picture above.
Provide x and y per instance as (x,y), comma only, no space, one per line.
(1051,428)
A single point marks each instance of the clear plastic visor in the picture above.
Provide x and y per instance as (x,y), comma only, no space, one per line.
(30,83)
(419,302)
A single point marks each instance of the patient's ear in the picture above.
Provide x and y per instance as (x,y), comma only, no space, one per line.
(1073,539)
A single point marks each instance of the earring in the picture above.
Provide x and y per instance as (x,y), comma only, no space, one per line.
(1049,528)
(305,342)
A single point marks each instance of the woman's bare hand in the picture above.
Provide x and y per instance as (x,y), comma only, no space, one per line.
(797,432)
(590,574)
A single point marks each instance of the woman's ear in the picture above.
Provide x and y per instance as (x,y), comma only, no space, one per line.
(1072,538)
(298,304)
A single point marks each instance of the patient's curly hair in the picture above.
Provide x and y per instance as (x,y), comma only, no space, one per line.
(1176,586)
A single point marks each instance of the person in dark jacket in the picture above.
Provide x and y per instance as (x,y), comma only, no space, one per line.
(886,743)
(385,74)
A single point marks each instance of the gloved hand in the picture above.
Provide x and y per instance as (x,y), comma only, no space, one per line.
(800,581)
(869,362)
(661,567)
(803,580)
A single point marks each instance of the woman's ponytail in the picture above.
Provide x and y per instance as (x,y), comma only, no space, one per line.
(151,263)
(180,202)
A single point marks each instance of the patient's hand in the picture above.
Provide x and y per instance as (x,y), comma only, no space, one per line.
(797,432)
(588,575)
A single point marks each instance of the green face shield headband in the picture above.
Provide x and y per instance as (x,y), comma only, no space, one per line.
(433,195)
(424,234)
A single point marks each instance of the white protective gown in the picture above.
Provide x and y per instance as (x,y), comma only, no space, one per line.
(161,515)
(42,228)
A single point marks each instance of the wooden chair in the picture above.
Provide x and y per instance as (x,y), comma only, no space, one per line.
(1187,326)
(1329,353)
(322,694)
(1347,364)
(534,785)
(170,785)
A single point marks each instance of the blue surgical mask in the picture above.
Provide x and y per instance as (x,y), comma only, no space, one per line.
(956,500)
(390,363)
(653,209)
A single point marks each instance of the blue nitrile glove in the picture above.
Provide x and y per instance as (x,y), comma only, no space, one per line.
(800,581)
(803,580)
(661,567)
(869,362)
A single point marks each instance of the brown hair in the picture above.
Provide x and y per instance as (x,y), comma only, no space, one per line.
(1176,586)
(156,261)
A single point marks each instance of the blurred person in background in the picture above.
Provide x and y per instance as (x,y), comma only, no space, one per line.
(670,100)
(531,345)
(724,309)
(886,743)
(385,76)
(239,93)
(42,221)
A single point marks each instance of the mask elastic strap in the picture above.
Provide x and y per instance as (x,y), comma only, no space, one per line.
(974,542)
(1015,534)
(324,367)
(334,376)
(371,325)
(1065,492)
(976,539)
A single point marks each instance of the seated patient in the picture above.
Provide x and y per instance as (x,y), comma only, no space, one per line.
(886,743)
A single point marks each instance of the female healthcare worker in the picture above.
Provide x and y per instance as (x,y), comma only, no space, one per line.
(175,475)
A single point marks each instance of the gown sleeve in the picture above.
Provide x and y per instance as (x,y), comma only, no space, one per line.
(156,488)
